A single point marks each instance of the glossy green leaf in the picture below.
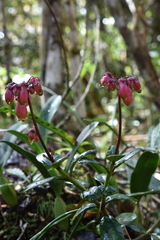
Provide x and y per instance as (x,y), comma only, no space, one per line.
(126,217)
(83,209)
(42,157)
(82,136)
(127,156)
(92,163)
(110,229)
(116,197)
(54,222)
(48,112)
(100,178)
(93,193)
(5,149)
(40,182)
(110,191)
(111,151)
(136,227)
(114,158)
(18,172)
(144,169)
(81,156)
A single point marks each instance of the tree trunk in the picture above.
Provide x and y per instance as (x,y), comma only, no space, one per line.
(50,52)
(75,56)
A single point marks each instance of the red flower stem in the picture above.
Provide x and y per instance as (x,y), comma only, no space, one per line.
(38,133)
(120,125)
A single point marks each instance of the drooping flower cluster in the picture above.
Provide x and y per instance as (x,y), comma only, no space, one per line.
(124,86)
(20,92)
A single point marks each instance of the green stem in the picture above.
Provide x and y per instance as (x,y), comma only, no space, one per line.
(38,133)
(71,179)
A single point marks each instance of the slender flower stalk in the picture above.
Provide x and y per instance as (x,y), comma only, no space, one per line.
(38,133)
(120,125)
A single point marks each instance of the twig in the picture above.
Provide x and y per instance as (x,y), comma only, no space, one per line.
(62,43)
(95,60)
(6,43)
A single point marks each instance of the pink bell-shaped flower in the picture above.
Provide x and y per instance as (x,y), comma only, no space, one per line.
(21,111)
(125,93)
(23,95)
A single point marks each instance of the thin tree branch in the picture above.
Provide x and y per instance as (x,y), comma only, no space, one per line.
(63,46)
(95,60)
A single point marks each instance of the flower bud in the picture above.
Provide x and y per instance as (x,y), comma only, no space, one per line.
(137,86)
(104,80)
(21,111)
(15,89)
(9,97)
(111,86)
(35,81)
(32,136)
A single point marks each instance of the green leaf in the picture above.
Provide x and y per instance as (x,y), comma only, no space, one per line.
(111,151)
(136,227)
(57,158)
(41,182)
(54,222)
(93,193)
(81,156)
(18,172)
(114,158)
(83,135)
(100,178)
(127,156)
(59,209)
(110,191)
(83,209)
(48,112)
(126,217)
(100,167)
(116,197)
(144,169)
(110,229)
(5,150)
